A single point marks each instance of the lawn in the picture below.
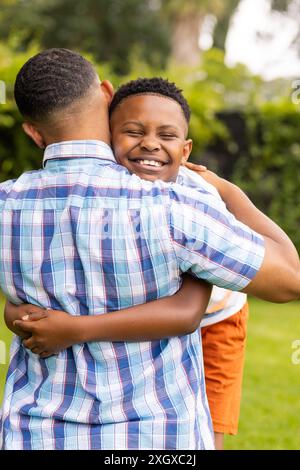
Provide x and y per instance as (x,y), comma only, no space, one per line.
(5,338)
(270,412)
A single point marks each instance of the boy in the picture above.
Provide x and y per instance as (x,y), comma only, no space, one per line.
(84,235)
(139,112)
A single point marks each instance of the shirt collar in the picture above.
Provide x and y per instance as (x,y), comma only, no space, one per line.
(78,149)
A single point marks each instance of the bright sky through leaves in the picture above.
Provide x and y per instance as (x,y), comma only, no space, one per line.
(261,39)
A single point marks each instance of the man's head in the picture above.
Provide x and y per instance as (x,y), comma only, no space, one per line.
(59,94)
(149,120)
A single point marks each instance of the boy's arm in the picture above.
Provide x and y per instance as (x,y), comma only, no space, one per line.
(13,312)
(278,279)
(176,315)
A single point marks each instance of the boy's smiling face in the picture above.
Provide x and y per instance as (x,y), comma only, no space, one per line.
(149,136)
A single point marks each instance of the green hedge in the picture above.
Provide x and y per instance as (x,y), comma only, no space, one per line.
(270,170)
(18,153)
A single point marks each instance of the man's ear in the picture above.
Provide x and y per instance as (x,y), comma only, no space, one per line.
(108,90)
(34,134)
(187,149)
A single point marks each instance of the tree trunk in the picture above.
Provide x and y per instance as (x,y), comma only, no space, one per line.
(185,38)
(223,24)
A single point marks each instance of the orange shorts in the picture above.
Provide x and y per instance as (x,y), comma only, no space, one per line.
(224,353)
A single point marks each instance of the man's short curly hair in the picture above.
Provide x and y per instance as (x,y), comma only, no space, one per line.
(52,80)
(155,85)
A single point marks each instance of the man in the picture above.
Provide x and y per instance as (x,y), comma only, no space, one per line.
(85,236)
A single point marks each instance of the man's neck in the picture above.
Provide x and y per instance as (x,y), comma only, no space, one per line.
(95,127)
(79,136)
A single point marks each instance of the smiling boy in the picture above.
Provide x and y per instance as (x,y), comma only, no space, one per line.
(149,125)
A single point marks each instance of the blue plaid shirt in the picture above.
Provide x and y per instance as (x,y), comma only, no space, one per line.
(85,236)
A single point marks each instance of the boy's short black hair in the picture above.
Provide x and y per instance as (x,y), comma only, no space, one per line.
(52,80)
(155,85)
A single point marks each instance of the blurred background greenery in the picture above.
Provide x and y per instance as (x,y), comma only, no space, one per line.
(244,125)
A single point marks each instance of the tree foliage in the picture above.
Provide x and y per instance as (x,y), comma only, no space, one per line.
(111,29)
(108,29)
(268,169)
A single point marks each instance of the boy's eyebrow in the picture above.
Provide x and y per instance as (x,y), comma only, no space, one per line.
(161,128)
(138,123)
(169,126)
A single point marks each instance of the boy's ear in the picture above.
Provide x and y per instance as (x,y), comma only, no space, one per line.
(34,134)
(187,149)
(107,89)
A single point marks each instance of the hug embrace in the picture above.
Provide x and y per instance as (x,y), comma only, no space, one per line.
(108,256)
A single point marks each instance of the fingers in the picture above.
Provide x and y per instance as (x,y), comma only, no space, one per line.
(46,354)
(35,309)
(35,316)
(35,348)
(195,167)
(17,310)
(29,343)
(27,326)
(37,351)
(198,167)
(41,353)
(22,335)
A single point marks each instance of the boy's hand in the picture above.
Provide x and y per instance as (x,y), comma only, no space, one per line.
(14,312)
(51,334)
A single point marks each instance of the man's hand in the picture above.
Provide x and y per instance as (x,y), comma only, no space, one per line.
(52,333)
(195,167)
(207,175)
(219,183)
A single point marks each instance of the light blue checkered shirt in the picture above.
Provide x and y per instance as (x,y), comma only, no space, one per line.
(85,236)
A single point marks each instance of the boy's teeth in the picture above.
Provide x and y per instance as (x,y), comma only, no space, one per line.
(150,162)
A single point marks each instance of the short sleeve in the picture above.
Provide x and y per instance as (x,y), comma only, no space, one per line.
(5,189)
(209,241)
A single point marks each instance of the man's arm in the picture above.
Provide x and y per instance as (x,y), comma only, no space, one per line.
(278,279)
(176,315)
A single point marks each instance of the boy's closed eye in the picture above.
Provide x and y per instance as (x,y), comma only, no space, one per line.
(168,136)
(133,132)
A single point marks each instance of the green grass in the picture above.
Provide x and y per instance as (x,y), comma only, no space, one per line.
(5,338)
(270,411)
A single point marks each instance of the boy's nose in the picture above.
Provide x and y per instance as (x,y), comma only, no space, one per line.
(150,144)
